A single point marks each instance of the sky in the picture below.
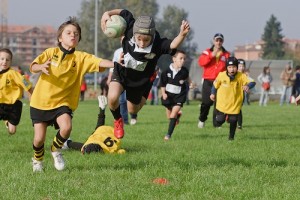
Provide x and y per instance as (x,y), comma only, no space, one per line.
(240,21)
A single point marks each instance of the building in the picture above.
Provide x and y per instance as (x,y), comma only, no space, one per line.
(254,51)
(27,42)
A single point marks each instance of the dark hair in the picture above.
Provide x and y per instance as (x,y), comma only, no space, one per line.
(70,21)
(297,67)
(179,51)
(265,69)
(7,51)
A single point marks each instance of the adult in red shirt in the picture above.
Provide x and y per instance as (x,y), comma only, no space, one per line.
(213,61)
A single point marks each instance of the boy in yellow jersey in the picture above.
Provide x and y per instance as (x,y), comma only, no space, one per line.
(57,91)
(12,85)
(228,90)
(102,140)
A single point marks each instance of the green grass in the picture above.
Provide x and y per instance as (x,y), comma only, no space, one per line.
(261,163)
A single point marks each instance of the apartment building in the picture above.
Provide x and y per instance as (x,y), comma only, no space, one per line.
(27,42)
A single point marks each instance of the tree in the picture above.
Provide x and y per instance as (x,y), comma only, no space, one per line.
(272,37)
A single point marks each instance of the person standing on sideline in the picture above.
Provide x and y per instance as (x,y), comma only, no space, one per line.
(265,79)
(213,61)
(155,87)
(83,88)
(12,86)
(142,47)
(56,95)
(296,87)
(174,88)
(287,78)
(228,92)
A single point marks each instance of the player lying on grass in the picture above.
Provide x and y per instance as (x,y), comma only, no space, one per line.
(102,140)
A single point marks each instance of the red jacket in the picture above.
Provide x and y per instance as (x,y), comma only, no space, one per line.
(212,67)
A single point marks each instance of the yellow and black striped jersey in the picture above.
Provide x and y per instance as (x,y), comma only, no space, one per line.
(12,86)
(62,86)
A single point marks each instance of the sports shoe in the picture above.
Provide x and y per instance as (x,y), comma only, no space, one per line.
(178,117)
(201,124)
(37,166)
(133,121)
(167,137)
(239,127)
(119,128)
(65,146)
(58,159)
(102,101)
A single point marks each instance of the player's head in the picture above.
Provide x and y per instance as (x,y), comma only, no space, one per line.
(218,40)
(144,31)
(241,65)
(69,33)
(5,58)
(179,59)
(231,66)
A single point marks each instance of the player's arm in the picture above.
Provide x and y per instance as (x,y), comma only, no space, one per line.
(36,68)
(184,29)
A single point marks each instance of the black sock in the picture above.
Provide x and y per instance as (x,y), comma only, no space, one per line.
(116,113)
(133,116)
(58,142)
(232,130)
(172,124)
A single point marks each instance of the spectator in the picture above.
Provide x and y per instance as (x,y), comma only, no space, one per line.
(265,79)
(287,78)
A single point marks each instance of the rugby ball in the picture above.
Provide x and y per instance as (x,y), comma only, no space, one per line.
(115,27)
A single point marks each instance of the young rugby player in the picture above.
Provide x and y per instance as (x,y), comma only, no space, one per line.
(174,89)
(230,85)
(12,86)
(57,91)
(142,47)
(102,140)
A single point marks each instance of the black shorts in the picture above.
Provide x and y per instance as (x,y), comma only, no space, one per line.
(169,103)
(49,116)
(133,94)
(11,112)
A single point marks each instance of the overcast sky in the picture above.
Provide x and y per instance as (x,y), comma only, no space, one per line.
(240,21)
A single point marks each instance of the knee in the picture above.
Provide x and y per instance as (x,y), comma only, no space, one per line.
(232,118)
(220,118)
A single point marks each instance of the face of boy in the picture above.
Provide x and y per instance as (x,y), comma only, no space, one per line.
(241,68)
(178,60)
(142,40)
(5,61)
(69,37)
(231,70)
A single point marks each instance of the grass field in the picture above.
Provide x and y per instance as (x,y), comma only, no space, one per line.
(262,162)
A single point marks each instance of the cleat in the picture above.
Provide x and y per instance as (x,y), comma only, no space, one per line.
(167,137)
(133,121)
(58,159)
(201,124)
(119,128)
(37,166)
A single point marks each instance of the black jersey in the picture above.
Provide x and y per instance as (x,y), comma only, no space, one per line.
(176,87)
(139,63)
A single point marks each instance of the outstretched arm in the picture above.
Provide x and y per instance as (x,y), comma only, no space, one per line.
(184,29)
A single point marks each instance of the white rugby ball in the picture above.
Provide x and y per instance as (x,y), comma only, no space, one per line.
(115,27)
